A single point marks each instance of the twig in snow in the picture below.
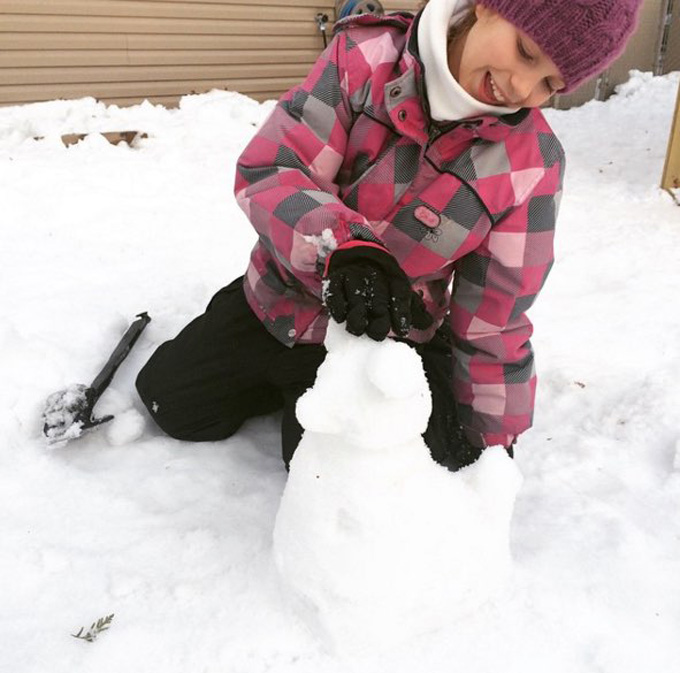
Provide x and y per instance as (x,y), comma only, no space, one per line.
(102,624)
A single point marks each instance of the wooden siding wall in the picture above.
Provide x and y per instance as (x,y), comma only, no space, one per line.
(123,51)
(672,61)
(671,172)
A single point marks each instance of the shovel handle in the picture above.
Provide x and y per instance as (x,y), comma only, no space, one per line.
(121,351)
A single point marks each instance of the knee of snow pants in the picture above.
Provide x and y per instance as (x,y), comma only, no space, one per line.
(224,368)
(203,384)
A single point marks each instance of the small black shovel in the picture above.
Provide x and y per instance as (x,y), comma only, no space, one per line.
(69,412)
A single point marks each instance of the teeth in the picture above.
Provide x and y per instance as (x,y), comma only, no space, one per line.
(496,92)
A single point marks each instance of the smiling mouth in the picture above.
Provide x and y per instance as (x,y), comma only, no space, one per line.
(492,92)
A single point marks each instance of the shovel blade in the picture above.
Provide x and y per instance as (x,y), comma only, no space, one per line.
(68,413)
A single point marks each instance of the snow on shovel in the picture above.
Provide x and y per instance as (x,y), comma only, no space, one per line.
(69,412)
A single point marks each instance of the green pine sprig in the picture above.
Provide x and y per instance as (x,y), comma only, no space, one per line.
(102,624)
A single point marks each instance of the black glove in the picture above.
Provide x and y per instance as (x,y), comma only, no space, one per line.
(461,452)
(366,287)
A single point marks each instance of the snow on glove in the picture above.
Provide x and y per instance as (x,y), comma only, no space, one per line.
(366,288)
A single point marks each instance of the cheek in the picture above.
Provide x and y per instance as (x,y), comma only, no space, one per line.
(468,81)
(537,99)
(470,68)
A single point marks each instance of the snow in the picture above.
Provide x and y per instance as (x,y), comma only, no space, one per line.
(125,427)
(367,517)
(64,414)
(176,540)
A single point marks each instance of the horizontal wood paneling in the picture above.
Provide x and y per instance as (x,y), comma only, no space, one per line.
(53,59)
(143,8)
(672,60)
(129,50)
(400,5)
(141,90)
(129,26)
(158,49)
(297,3)
(92,42)
(30,76)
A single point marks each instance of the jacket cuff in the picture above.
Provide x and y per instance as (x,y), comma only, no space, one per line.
(354,243)
(485,439)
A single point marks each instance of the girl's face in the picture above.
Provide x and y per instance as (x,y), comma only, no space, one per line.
(498,64)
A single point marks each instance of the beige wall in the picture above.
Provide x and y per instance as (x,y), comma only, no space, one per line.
(671,171)
(672,61)
(123,51)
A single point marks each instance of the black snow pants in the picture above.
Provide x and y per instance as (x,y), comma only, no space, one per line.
(224,368)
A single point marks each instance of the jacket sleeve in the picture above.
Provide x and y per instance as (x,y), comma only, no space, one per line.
(494,378)
(285,178)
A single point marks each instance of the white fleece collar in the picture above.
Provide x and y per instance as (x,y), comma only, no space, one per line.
(448,100)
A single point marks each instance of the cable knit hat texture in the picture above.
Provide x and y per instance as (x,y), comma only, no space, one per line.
(582,37)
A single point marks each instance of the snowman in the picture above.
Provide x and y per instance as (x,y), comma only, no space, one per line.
(374,540)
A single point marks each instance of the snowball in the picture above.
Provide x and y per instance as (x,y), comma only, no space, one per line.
(64,414)
(374,540)
(125,428)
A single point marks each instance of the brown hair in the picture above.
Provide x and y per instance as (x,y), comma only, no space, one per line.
(460,29)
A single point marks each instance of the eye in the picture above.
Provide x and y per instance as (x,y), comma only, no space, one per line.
(523,51)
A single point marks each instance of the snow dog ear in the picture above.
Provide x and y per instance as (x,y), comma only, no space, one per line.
(396,371)
(314,415)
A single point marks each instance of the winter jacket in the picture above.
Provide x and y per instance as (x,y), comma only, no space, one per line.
(351,153)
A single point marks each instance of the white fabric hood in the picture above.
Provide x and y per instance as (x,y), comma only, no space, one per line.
(448,100)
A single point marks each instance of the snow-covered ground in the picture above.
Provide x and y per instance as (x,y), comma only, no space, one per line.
(176,539)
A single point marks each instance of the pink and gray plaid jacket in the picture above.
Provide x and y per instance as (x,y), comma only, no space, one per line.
(351,153)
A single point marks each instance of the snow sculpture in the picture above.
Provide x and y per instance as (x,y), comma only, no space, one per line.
(375,540)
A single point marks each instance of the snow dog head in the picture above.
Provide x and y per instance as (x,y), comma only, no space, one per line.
(375,541)
(374,395)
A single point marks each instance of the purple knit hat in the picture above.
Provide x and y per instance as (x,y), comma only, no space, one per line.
(582,37)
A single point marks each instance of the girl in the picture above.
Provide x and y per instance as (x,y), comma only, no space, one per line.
(408,188)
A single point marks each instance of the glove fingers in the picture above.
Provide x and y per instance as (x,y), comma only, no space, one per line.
(379,307)
(373,296)
(400,306)
(419,314)
(379,299)
(379,327)
(358,292)
(357,319)
(334,297)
